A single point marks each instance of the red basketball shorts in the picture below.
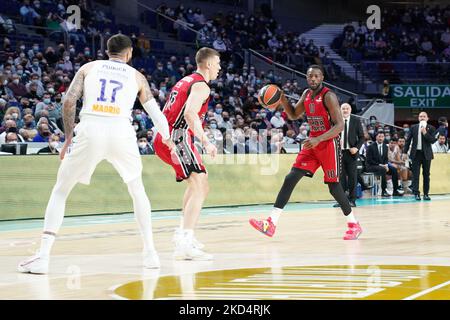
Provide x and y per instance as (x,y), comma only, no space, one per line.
(327,155)
(186,158)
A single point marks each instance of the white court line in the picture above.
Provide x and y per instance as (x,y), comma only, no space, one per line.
(424,292)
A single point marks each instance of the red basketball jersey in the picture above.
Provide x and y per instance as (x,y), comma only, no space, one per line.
(317,113)
(176,103)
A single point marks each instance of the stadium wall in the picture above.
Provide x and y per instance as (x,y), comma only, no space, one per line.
(26,183)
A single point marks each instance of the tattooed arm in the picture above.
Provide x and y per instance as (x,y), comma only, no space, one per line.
(74,93)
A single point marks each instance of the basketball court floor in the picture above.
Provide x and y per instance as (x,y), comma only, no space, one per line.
(403,253)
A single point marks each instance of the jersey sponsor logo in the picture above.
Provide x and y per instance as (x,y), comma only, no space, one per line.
(312,107)
(316,124)
(105,109)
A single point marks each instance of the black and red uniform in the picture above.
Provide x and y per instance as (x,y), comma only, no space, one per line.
(186,158)
(327,154)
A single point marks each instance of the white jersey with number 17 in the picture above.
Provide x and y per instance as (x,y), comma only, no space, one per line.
(110,89)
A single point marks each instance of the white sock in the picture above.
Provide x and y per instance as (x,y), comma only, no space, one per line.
(275,215)
(351,218)
(181,221)
(142,212)
(47,241)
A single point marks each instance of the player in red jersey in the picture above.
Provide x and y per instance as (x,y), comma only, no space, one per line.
(185,110)
(321,149)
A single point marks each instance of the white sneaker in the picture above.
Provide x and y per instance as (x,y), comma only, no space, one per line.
(36,264)
(179,233)
(151,260)
(185,250)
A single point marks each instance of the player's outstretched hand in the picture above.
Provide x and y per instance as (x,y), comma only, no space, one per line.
(211,150)
(310,143)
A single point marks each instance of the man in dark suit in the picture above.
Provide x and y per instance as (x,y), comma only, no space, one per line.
(422,137)
(352,138)
(377,162)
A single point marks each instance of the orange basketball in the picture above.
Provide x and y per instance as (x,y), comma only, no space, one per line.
(269,96)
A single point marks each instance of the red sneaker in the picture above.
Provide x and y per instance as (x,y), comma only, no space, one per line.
(353,232)
(264,226)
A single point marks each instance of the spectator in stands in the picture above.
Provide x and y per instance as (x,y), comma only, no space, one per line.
(15,114)
(28,13)
(159,75)
(39,91)
(6,25)
(53,143)
(406,130)
(240,146)
(3,104)
(443,127)
(440,146)
(18,89)
(406,173)
(144,146)
(377,162)
(44,133)
(45,104)
(277,120)
(10,126)
(226,124)
(28,131)
(395,158)
(253,143)
(11,137)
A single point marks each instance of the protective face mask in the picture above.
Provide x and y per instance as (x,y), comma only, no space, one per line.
(213,126)
(12,142)
(142,145)
(47,101)
(136,128)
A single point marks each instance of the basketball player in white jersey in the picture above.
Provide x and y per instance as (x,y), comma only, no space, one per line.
(109,89)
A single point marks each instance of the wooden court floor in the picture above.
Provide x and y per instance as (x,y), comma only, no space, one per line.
(403,253)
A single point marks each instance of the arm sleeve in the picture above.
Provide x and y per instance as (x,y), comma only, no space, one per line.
(158,118)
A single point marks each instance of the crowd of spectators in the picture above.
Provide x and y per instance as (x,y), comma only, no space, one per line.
(418,34)
(33,81)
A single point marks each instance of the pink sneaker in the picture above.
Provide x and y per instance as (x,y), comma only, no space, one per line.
(353,232)
(264,226)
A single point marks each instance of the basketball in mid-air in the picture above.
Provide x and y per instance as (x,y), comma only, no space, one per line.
(269,96)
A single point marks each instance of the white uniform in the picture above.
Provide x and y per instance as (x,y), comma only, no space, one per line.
(105,130)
